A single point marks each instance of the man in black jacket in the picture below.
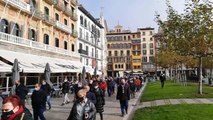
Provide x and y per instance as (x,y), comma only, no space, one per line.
(21,91)
(47,89)
(65,91)
(38,102)
(123,94)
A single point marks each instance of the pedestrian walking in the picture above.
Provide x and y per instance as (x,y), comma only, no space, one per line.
(47,89)
(109,87)
(21,90)
(162,80)
(103,86)
(38,100)
(65,91)
(83,108)
(12,109)
(123,95)
(90,95)
(100,100)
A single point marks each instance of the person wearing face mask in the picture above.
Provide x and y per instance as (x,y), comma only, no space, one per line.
(38,102)
(21,91)
(123,95)
(83,108)
(100,100)
(47,89)
(12,109)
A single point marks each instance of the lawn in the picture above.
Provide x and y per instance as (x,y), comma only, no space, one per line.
(176,112)
(171,90)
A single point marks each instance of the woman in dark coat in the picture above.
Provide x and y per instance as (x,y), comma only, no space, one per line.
(100,100)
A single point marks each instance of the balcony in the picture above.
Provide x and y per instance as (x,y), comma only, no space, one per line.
(11,39)
(20,4)
(51,2)
(60,6)
(81,51)
(75,34)
(67,12)
(35,12)
(48,19)
(74,16)
(63,27)
(74,2)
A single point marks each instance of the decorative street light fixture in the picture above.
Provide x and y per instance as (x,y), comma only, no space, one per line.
(95,34)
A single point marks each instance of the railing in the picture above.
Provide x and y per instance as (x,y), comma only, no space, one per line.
(36,12)
(83,51)
(74,33)
(59,5)
(63,27)
(68,11)
(48,19)
(19,3)
(74,16)
(74,2)
(33,44)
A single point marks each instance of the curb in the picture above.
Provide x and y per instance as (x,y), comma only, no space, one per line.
(129,116)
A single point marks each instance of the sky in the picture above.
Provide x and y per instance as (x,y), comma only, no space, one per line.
(131,14)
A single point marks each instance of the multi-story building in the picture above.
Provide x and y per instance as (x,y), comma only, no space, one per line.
(148,49)
(130,51)
(36,28)
(90,40)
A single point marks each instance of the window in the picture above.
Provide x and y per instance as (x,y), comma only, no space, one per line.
(80,33)
(122,52)
(133,36)
(122,66)
(151,45)
(128,53)
(151,59)
(116,66)
(87,36)
(144,33)
(151,39)
(4,26)
(46,13)
(144,59)
(129,45)
(119,66)
(80,46)
(16,30)
(144,45)
(56,42)
(92,52)
(124,45)
(73,47)
(151,52)
(85,23)
(124,37)
(32,35)
(109,53)
(108,45)
(87,49)
(73,27)
(144,52)
(81,20)
(65,45)
(87,61)
(116,53)
(56,17)
(65,21)
(144,39)
(46,39)
(128,37)
(150,32)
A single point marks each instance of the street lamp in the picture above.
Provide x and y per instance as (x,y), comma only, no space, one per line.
(95,34)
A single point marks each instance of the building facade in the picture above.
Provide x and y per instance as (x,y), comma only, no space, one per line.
(90,40)
(130,52)
(50,24)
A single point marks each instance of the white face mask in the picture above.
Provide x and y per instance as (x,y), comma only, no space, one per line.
(91,82)
(95,87)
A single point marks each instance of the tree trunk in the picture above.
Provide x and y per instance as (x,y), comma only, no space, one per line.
(200,76)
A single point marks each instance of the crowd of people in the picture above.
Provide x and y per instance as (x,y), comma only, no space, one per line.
(89,98)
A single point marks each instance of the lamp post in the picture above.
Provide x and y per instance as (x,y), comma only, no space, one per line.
(95,35)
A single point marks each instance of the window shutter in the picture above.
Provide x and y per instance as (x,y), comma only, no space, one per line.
(11,27)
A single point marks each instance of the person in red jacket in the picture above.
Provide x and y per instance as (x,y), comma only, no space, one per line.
(103,86)
(138,84)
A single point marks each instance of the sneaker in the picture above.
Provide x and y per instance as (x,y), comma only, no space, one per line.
(62,104)
(68,102)
(49,107)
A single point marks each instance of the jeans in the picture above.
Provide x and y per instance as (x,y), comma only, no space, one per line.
(124,106)
(39,112)
(48,101)
(66,99)
(109,91)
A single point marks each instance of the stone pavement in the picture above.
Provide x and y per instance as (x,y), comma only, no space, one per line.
(176,101)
